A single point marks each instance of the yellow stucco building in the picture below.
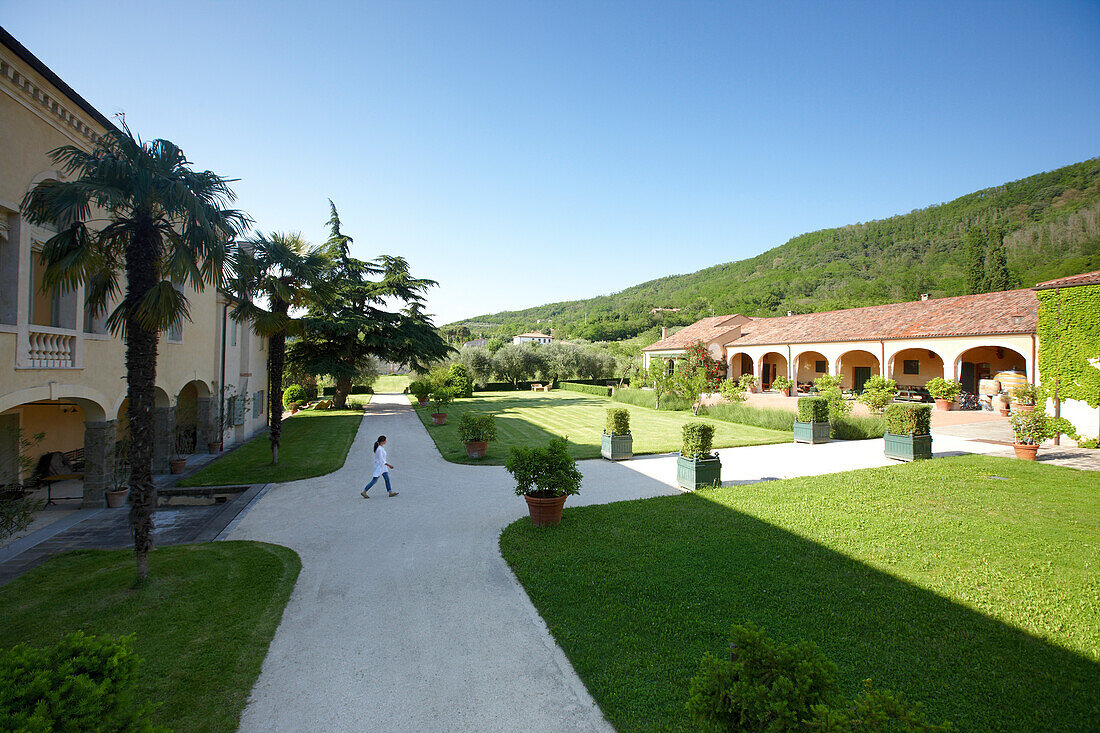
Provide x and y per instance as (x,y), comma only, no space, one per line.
(61,373)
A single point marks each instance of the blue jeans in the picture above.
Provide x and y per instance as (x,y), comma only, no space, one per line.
(385,475)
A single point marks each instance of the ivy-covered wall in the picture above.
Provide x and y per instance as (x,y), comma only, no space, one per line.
(1069,335)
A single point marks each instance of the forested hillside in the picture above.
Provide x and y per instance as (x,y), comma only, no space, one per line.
(1050,223)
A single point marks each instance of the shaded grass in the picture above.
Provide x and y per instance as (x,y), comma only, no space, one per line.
(202,623)
(391,383)
(359,400)
(859,427)
(533,418)
(313,443)
(975,595)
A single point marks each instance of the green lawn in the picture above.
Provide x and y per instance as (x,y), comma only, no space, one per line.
(391,383)
(313,443)
(978,596)
(533,418)
(202,623)
(359,400)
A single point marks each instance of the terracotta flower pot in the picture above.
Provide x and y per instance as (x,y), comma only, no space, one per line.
(177,465)
(439,418)
(545,512)
(116,499)
(1005,412)
(214,446)
(1025,452)
(1023,408)
(477,448)
(943,404)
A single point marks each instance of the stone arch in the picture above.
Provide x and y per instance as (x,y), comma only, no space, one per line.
(985,360)
(90,401)
(192,412)
(739,363)
(772,365)
(46,175)
(805,366)
(855,366)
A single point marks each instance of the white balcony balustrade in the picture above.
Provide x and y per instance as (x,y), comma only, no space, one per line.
(51,348)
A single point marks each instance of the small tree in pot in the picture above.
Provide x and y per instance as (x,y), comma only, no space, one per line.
(696,465)
(420,389)
(812,425)
(943,391)
(782,384)
(441,397)
(1029,430)
(1025,397)
(181,445)
(878,392)
(545,477)
(908,432)
(617,444)
(476,431)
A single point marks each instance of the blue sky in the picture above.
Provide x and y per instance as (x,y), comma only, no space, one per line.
(523,153)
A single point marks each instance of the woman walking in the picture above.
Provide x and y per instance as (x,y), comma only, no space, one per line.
(380,467)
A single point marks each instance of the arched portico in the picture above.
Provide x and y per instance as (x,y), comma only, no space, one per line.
(855,367)
(739,363)
(808,366)
(984,362)
(772,365)
(914,367)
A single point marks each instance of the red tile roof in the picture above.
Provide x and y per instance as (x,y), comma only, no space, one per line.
(533,334)
(1085,278)
(705,330)
(1011,311)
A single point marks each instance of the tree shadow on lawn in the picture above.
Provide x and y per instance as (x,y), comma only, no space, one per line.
(636,597)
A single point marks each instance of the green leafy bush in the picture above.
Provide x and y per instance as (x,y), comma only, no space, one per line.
(943,389)
(878,392)
(618,421)
(698,438)
(294,395)
(420,388)
(761,417)
(772,687)
(441,397)
(476,428)
(909,419)
(827,381)
(732,391)
(544,472)
(813,409)
(459,381)
(782,383)
(586,388)
(83,683)
(1026,394)
(746,382)
(839,407)
(1032,428)
(361,389)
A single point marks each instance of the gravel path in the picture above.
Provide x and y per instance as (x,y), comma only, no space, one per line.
(406,618)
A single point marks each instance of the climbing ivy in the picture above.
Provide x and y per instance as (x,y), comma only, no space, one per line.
(1069,336)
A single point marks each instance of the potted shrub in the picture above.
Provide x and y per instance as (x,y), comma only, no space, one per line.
(441,397)
(908,432)
(420,389)
(747,382)
(181,446)
(545,477)
(119,481)
(878,392)
(696,465)
(476,431)
(617,444)
(812,425)
(782,384)
(943,391)
(1024,397)
(1029,430)
(1003,404)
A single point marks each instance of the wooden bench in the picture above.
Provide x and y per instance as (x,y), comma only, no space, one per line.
(74,458)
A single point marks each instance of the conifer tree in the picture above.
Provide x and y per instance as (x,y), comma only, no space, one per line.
(996,265)
(975,260)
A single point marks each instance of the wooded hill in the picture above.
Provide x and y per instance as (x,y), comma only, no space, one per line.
(1051,226)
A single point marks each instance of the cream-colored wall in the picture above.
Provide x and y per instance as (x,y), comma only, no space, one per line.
(806,362)
(847,363)
(930,367)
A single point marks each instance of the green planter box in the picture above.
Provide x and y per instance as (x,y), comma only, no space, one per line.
(908,447)
(693,473)
(811,432)
(617,447)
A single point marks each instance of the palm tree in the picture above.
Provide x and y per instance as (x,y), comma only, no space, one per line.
(163,224)
(288,273)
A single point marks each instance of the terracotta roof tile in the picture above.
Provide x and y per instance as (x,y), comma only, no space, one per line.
(1085,278)
(705,330)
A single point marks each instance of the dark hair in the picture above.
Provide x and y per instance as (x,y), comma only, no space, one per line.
(380,441)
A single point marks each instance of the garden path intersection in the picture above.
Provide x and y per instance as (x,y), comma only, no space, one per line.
(405,616)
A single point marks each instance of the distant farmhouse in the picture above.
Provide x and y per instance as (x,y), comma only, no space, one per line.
(533,337)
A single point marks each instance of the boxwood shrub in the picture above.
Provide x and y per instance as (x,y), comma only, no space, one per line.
(474,427)
(698,440)
(361,389)
(294,393)
(909,419)
(586,388)
(813,409)
(618,421)
(82,683)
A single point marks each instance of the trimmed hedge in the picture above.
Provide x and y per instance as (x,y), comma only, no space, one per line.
(328,391)
(698,439)
(618,421)
(586,388)
(648,398)
(361,389)
(909,419)
(813,409)
(504,386)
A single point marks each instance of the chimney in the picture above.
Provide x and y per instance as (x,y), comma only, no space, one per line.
(664,332)
(924,296)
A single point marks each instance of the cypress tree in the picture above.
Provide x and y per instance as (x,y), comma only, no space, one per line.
(975,260)
(997,277)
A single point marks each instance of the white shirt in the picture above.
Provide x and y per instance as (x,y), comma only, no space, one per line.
(379,461)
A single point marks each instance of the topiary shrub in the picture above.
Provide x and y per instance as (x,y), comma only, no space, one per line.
(769,686)
(909,419)
(476,428)
(698,438)
(618,421)
(943,389)
(420,388)
(813,409)
(878,392)
(83,683)
(294,394)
